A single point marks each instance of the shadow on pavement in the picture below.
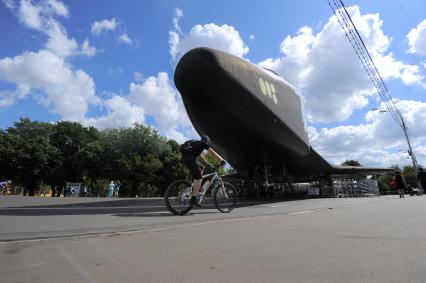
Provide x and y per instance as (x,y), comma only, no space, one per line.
(197,211)
(121,208)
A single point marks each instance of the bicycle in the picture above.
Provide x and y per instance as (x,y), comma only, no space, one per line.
(178,195)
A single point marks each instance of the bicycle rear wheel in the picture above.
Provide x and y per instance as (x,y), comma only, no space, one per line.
(178,197)
(225,198)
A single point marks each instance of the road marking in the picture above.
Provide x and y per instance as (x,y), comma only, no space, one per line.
(97,207)
(83,273)
(279,205)
(302,212)
(357,204)
(161,212)
(129,232)
(109,234)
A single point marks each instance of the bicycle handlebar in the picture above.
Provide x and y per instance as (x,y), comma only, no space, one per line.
(212,166)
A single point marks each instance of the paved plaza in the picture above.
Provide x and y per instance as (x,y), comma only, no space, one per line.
(377,239)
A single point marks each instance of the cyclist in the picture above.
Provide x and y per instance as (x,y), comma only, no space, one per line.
(190,150)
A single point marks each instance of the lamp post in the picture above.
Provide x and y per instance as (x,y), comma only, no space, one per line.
(407,138)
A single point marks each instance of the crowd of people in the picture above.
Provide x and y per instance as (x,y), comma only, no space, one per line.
(113,190)
(398,183)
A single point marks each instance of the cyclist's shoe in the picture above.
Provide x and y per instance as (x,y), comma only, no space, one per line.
(195,202)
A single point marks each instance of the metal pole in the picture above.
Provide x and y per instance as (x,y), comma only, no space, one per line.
(407,138)
(410,149)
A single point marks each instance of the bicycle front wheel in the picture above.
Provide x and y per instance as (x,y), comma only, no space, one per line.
(178,197)
(225,197)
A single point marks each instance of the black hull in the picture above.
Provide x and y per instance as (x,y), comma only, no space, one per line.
(241,126)
(253,119)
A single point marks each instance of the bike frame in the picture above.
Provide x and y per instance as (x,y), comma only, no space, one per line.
(202,193)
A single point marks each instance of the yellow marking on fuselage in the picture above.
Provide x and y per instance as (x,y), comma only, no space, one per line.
(268,89)
(262,86)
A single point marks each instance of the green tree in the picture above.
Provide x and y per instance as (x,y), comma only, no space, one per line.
(27,154)
(71,140)
(383,181)
(410,175)
(133,155)
(93,162)
(6,155)
(214,162)
(230,170)
(173,168)
(351,163)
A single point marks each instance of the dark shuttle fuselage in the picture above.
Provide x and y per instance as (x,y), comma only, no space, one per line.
(254,118)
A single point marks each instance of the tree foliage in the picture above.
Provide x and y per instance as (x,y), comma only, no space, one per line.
(26,153)
(138,157)
(351,163)
(384,180)
(410,176)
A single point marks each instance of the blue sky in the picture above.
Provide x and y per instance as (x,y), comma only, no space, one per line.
(111,63)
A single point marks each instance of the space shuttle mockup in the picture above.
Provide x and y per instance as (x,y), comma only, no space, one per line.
(253,117)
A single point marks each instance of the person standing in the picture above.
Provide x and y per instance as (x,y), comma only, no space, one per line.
(421,178)
(401,185)
(116,189)
(111,189)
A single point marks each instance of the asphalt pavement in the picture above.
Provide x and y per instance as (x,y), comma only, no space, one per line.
(377,239)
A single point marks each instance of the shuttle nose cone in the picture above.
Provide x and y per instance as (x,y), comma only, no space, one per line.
(193,72)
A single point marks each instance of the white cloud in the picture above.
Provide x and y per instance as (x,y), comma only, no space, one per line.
(67,92)
(99,27)
(138,77)
(327,71)
(10,4)
(417,39)
(251,36)
(88,50)
(378,142)
(178,15)
(154,97)
(45,74)
(125,38)
(59,8)
(161,101)
(29,15)
(225,38)
(120,113)
(174,39)
(39,14)
(49,78)
(8,98)
(58,42)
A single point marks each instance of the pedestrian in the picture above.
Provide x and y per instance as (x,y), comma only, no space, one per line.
(66,191)
(421,178)
(392,183)
(401,185)
(116,189)
(59,191)
(111,189)
(3,187)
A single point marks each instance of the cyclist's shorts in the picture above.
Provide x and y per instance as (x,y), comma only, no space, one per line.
(191,163)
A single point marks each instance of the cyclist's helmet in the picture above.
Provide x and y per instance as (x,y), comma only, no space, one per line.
(205,139)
